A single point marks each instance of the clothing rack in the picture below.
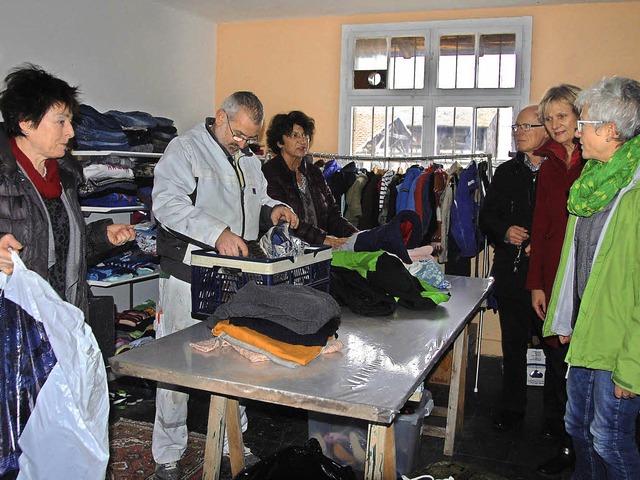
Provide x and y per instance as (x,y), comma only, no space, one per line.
(389,160)
(433,158)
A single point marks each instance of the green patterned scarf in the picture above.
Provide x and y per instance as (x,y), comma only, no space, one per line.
(600,182)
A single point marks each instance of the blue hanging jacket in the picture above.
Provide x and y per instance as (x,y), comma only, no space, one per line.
(464,212)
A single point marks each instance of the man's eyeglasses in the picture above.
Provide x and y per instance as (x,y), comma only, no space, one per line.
(298,136)
(525,127)
(581,123)
(239,137)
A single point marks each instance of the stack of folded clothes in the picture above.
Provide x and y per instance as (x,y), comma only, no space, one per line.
(129,264)
(122,131)
(288,324)
(135,327)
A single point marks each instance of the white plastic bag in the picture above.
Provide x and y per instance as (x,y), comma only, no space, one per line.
(67,433)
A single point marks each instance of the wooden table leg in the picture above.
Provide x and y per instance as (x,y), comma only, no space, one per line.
(380,461)
(455,408)
(215,438)
(234,434)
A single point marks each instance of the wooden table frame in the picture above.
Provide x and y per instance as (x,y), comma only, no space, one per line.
(402,364)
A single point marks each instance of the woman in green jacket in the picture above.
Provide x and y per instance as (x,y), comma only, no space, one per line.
(595,304)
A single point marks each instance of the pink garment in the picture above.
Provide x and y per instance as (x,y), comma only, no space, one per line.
(421,253)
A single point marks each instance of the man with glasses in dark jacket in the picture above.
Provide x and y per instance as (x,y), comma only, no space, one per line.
(506,217)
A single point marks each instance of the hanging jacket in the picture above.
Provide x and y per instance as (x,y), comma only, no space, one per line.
(464,212)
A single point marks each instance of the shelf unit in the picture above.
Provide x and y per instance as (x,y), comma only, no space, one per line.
(123,291)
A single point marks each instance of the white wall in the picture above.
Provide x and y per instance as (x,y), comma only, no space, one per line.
(124,54)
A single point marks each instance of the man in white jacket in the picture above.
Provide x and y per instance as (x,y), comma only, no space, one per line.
(208,192)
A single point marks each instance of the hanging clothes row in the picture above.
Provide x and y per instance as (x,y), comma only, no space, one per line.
(445,191)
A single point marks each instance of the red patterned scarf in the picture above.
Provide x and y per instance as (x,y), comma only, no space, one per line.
(48,186)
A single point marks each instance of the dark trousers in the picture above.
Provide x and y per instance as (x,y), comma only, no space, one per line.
(555,390)
(518,322)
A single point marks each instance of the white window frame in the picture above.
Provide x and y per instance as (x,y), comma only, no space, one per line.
(431,97)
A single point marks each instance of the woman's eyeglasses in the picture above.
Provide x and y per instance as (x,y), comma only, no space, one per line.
(298,136)
(581,123)
(525,127)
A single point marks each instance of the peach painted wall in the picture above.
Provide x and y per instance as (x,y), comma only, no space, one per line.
(295,64)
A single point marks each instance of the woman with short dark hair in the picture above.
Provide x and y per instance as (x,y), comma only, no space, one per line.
(40,214)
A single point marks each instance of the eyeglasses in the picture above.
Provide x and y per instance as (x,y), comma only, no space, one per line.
(239,137)
(298,136)
(525,127)
(581,123)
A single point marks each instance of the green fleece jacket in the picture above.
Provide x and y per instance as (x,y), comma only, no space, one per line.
(607,327)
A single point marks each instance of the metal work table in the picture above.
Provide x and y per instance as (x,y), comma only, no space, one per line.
(384,361)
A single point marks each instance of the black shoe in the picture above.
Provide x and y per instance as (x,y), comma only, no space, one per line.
(564,460)
(507,420)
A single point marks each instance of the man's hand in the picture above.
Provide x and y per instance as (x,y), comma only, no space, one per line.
(6,242)
(230,244)
(539,303)
(282,212)
(120,233)
(335,242)
(516,235)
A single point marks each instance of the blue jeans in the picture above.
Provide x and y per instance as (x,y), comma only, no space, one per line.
(602,427)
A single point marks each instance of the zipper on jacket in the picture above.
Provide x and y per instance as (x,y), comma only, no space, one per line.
(241,181)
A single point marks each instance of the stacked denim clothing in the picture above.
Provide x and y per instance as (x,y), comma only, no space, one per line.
(145,133)
(96,131)
(122,131)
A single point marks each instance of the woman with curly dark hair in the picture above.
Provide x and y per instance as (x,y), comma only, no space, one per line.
(294,180)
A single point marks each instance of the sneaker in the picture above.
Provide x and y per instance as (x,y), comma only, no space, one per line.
(118,399)
(168,471)
(249,457)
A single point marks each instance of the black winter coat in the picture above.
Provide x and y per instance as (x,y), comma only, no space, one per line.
(510,200)
(282,186)
(24,215)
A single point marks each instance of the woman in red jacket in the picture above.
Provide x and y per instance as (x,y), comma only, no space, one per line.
(561,168)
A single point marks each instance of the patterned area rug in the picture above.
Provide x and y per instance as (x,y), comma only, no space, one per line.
(131,458)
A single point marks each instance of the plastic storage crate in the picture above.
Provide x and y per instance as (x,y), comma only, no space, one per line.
(344,440)
(216,278)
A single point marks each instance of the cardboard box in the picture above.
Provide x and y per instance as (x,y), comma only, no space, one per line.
(441,373)
(535,367)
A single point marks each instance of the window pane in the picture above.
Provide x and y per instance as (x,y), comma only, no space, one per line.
(453,130)
(406,62)
(497,61)
(370,63)
(457,61)
(387,131)
(461,130)
(493,131)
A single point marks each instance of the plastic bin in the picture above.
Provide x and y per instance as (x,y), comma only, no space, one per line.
(216,278)
(345,440)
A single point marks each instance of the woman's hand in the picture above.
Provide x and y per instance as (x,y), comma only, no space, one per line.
(120,233)
(539,303)
(335,242)
(6,242)
(620,392)
(564,340)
